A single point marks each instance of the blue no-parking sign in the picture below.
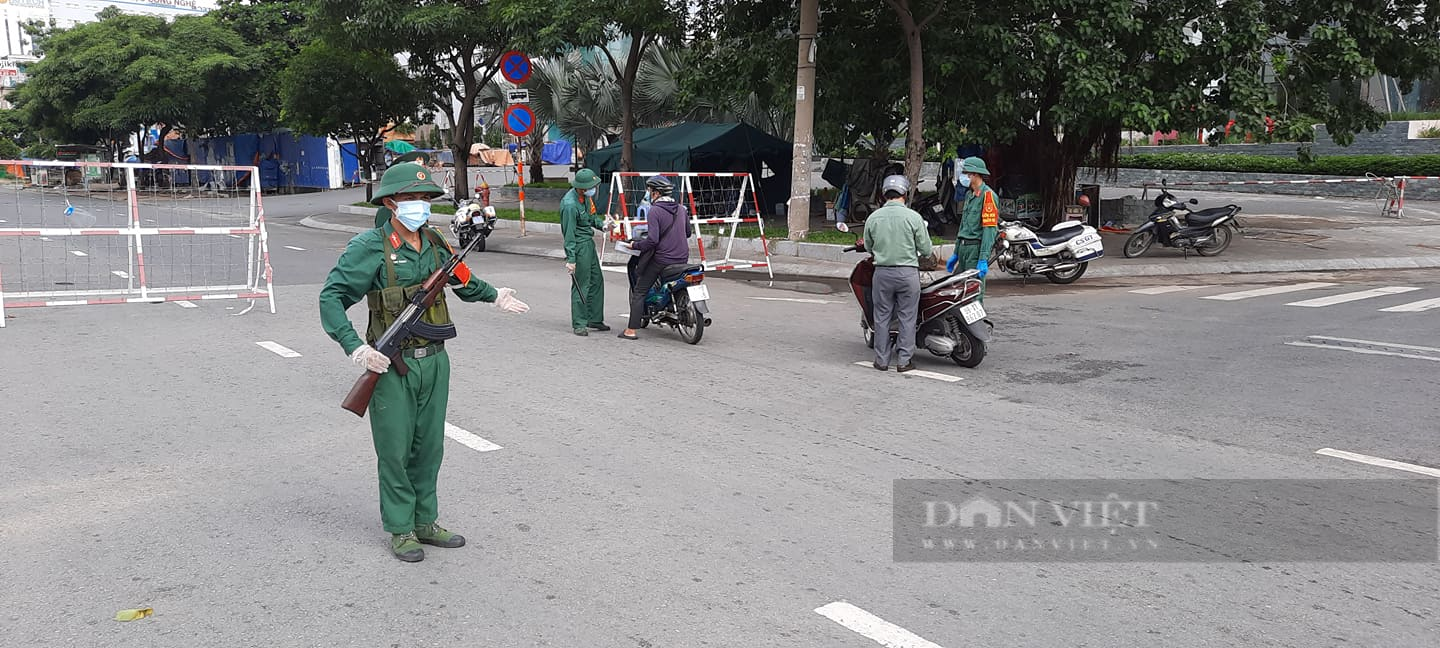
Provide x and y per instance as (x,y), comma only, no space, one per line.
(519,120)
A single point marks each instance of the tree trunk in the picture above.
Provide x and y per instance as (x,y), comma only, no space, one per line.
(915,132)
(627,101)
(537,154)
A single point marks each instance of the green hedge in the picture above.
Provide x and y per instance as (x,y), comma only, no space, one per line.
(1338,165)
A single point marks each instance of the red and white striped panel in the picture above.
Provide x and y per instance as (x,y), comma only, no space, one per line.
(128,165)
(133,300)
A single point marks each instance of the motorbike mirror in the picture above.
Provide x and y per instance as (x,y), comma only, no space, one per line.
(1194,201)
(842,227)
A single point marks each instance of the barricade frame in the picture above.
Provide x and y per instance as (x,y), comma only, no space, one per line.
(258,266)
(686,191)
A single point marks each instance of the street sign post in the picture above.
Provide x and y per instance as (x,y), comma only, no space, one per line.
(515,67)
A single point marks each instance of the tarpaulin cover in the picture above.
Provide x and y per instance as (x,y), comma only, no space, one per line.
(715,148)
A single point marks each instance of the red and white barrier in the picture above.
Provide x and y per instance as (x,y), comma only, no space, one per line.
(83,242)
(712,198)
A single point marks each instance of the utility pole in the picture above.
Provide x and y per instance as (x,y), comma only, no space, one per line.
(797,210)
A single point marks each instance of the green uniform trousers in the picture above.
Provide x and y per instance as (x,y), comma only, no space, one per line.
(969,260)
(407,423)
(590,283)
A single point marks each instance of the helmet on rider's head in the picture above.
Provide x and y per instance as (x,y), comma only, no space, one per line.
(659,183)
(896,183)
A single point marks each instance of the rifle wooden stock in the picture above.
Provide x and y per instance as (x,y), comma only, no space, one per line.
(358,400)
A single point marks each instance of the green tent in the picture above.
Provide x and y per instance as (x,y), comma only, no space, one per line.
(399,147)
(713,148)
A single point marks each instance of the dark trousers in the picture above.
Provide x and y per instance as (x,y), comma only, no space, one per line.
(642,276)
(897,297)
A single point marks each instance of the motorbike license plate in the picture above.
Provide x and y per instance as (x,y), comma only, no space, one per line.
(698,293)
(1087,239)
(972,312)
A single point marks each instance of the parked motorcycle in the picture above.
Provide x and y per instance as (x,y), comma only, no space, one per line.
(1173,224)
(951,322)
(680,301)
(483,217)
(1061,254)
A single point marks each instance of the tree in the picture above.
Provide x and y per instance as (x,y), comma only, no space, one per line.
(1076,72)
(452,47)
(274,31)
(379,95)
(913,27)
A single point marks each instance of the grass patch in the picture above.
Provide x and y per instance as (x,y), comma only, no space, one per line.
(548,184)
(1430,133)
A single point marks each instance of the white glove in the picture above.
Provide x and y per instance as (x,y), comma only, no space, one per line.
(507,302)
(370,359)
(609,223)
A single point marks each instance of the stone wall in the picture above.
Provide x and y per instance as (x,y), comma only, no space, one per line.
(1394,139)
(1416,190)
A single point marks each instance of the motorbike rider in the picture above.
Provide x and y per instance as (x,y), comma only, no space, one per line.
(979,223)
(666,243)
(897,237)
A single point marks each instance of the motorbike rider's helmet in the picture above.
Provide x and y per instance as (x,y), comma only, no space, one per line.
(659,183)
(896,183)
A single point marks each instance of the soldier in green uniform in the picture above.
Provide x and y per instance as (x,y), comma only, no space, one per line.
(579,223)
(979,223)
(407,413)
(422,158)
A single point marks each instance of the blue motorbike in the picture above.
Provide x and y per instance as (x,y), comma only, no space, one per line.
(680,301)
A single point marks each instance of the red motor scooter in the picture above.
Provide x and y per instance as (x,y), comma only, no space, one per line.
(951,321)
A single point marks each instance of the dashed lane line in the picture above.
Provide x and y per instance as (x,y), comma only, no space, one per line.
(795,300)
(919,373)
(277,349)
(1377,461)
(1414,307)
(1161,290)
(1353,296)
(469,440)
(872,627)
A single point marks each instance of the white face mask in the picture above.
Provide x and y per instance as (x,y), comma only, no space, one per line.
(592,191)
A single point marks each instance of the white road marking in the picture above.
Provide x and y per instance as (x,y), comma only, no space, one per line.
(872,627)
(1392,345)
(918,372)
(1376,461)
(612,269)
(1413,307)
(277,349)
(78,253)
(1160,290)
(1354,296)
(1273,290)
(234,236)
(186,304)
(469,440)
(1362,351)
(297,249)
(120,273)
(795,300)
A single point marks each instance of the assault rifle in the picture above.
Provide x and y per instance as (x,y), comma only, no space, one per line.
(408,325)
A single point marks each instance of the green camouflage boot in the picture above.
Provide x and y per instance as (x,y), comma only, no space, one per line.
(434,534)
(406,547)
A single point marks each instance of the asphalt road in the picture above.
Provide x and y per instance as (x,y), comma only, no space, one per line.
(655,494)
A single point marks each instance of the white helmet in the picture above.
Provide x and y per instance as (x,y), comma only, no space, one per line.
(896,183)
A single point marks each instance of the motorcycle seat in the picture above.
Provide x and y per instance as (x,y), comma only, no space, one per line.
(1048,239)
(1207,216)
(675,270)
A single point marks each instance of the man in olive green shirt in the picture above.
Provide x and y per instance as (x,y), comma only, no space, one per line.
(896,236)
(979,223)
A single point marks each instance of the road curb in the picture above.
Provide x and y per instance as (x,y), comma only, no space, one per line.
(840,269)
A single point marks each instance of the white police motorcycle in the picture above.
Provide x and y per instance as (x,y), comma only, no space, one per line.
(1061,254)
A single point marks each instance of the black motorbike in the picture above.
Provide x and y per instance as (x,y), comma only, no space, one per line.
(1173,224)
(473,220)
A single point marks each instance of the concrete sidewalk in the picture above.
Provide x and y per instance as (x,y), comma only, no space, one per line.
(1270,243)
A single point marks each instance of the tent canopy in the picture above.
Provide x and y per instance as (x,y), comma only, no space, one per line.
(713,148)
(399,147)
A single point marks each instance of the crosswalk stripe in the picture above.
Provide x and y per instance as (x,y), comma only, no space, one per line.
(1353,296)
(1161,290)
(1274,290)
(1413,307)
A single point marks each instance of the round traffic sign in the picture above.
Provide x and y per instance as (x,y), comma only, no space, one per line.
(519,120)
(515,67)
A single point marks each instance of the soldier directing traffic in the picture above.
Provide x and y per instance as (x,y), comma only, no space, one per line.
(386,266)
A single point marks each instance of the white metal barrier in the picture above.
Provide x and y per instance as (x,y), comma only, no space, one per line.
(724,199)
(82,233)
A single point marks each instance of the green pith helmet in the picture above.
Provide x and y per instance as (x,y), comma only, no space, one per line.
(420,157)
(585,179)
(974,165)
(406,178)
